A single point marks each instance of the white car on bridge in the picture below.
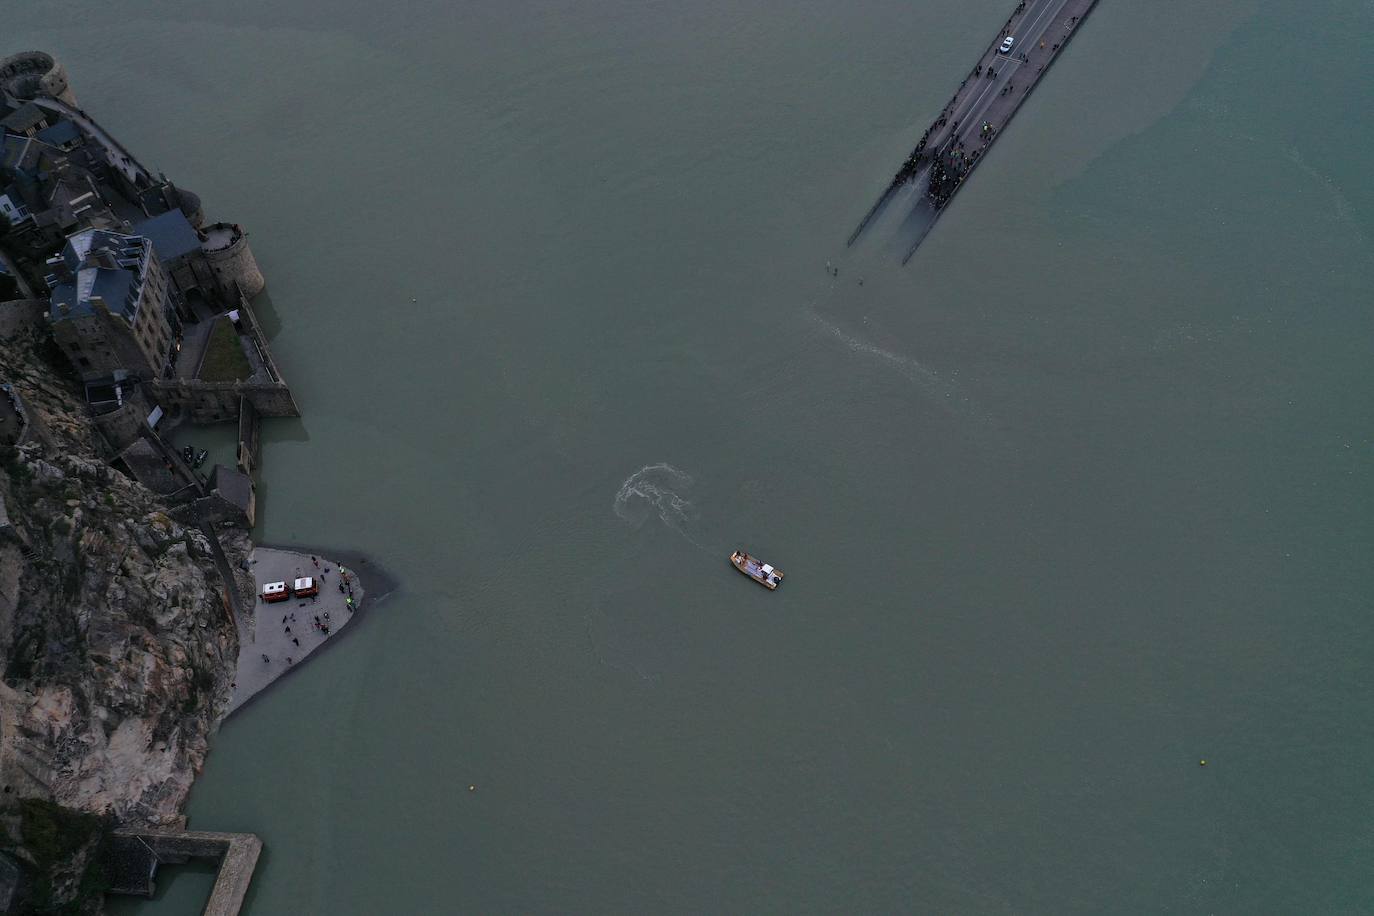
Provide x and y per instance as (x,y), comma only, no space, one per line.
(1006,45)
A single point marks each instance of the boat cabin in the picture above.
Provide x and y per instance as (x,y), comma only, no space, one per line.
(761,573)
(306,587)
(275,591)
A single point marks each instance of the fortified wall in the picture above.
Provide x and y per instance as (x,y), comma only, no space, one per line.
(231,260)
(218,402)
(30,74)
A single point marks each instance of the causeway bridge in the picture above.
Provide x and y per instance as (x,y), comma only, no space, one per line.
(965,129)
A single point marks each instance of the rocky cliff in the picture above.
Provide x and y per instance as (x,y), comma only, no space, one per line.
(117,638)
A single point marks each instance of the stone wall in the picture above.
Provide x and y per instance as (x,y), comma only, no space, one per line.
(232,261)
(124,424)
(215,402)
(31,73)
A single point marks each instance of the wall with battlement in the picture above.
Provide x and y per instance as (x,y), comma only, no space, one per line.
(216,402)
(33,73)
(226,249)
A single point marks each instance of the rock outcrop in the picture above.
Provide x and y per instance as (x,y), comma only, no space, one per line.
(117,636)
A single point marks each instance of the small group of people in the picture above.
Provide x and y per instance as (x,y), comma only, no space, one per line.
(320,622)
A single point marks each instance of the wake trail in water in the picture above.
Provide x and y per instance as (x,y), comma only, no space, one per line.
(657,489)
(934,386)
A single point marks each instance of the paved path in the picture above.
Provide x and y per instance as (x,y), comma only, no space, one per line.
(1040,32)
(264,633)
(195,340)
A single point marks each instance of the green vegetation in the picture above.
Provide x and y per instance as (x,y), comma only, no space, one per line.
(224,357)
(55,837)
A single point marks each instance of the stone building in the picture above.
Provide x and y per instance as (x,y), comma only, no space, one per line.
(178,246)
(112,306)
(231,260)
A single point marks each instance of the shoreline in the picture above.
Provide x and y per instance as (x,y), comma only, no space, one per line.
(356,561)
(375,584)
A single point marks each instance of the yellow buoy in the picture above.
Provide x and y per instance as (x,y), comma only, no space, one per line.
(472,788)
(1202,763)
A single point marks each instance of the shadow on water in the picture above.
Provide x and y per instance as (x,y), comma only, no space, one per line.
(266,310)
(179,889)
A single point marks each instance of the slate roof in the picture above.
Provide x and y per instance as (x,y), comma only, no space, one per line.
(23,118)
(25,154)
(232,485)
(84,278)
(60,133)
(171,235)
(110,285)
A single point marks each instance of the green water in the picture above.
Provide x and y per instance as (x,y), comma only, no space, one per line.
(1076,499)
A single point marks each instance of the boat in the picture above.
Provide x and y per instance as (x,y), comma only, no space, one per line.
(760,572)
(189,454)
(201,456)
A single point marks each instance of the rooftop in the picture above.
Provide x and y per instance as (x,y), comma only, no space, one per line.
(98,264)
(109,286)
(170,233)
(60,133)
(24,118)
(24,154)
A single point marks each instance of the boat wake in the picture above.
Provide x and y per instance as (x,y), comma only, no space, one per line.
(934,386)
(656,489)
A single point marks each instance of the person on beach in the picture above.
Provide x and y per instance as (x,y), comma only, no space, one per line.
(296,641)
(265,658)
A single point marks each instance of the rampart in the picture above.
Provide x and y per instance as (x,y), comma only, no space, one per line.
(227,252)
(33,73)
(217,402)
(138,853)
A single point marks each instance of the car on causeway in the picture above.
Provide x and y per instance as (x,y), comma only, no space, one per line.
(1006,45)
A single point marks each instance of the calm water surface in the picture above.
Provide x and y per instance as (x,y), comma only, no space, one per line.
(1079,497)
